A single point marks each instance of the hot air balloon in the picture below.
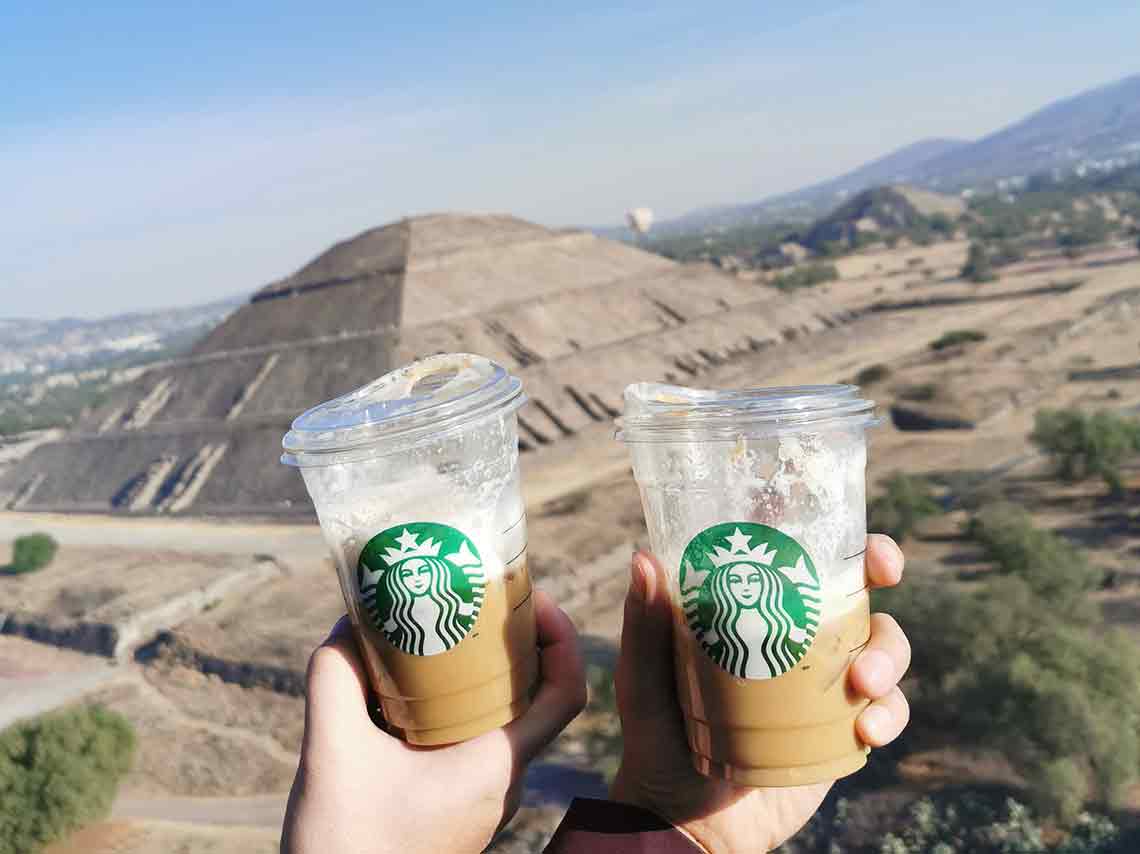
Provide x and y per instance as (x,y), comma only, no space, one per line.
(639,220)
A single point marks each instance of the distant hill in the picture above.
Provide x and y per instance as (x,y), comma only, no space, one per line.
(898,167)
(888,209)
(35,347)
(1095,131)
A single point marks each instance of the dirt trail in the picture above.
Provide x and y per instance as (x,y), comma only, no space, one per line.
(255,811)
(296,544)
(26,697)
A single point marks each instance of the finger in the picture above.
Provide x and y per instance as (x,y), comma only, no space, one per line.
(336,694)
(882,721)
(645,683)
(562,688)
(884,561)
(885,659)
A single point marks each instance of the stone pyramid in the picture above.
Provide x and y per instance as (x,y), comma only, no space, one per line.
(576,316)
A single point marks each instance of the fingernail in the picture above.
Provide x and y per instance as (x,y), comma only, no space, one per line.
(637,577)
(875,723)
(876,666)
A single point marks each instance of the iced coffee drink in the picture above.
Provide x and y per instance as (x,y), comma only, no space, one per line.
(755,504)
(415,481)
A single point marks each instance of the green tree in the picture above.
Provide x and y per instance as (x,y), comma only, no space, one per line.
(941,224)
(1054,568)
(906,500)
(1083,230)
(1083,445)
(1006,252)
(32,552)
(59,772)
(978,267)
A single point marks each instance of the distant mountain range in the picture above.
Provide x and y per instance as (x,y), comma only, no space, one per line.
(30,348)
(1096,130)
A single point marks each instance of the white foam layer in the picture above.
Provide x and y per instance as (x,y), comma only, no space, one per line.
(351,517)
(810,486)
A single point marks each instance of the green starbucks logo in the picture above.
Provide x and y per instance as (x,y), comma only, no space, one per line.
(422,585)
(751,596)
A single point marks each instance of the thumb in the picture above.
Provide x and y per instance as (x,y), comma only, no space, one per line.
(336,692)
(644,679)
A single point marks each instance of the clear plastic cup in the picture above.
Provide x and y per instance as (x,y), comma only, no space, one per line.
(755,503)
(415,481)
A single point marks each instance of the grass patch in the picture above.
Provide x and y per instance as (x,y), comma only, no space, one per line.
(957,337)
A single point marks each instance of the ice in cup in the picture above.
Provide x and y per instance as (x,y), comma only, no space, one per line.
(415,481)
(755,503)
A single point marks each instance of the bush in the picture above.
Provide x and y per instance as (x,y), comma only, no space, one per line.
(872,374)
(1054,568)
(805,277)
(32,552)
(1005,253)
(922,393)
(59,772)
(1084,446)
(978,267)
(1082,232)
(1024,665)
(906,501)
(966,823)
(956,337)
(601,724)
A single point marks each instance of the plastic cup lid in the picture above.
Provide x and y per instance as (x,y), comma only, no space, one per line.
(428,397)
(658,412)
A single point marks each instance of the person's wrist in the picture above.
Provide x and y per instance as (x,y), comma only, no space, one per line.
(624,790)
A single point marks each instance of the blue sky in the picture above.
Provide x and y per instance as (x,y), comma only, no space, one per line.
(158,154)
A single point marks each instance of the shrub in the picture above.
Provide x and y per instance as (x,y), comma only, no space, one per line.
(966,823)
(872,374)
(32,552)
(905,502)
(601,724)
(978,266)
(956,337)
(1084,446)
(1005,253)
(805,277)
(1024,665)
(1054,568)
(1082,232)
(923,392)
(59,772)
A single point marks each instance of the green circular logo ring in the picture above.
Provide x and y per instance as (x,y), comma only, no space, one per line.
(422,586)
(751,596)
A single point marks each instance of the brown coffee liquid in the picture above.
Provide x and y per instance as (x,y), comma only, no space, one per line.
(791,730)
(487,680)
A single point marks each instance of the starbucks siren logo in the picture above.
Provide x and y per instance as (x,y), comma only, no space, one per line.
(422,585)
(751,596)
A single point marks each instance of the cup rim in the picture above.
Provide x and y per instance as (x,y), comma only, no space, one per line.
(657,412)
(427,398)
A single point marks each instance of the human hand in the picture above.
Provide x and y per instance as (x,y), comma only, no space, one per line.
(359,790)
(657,771)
